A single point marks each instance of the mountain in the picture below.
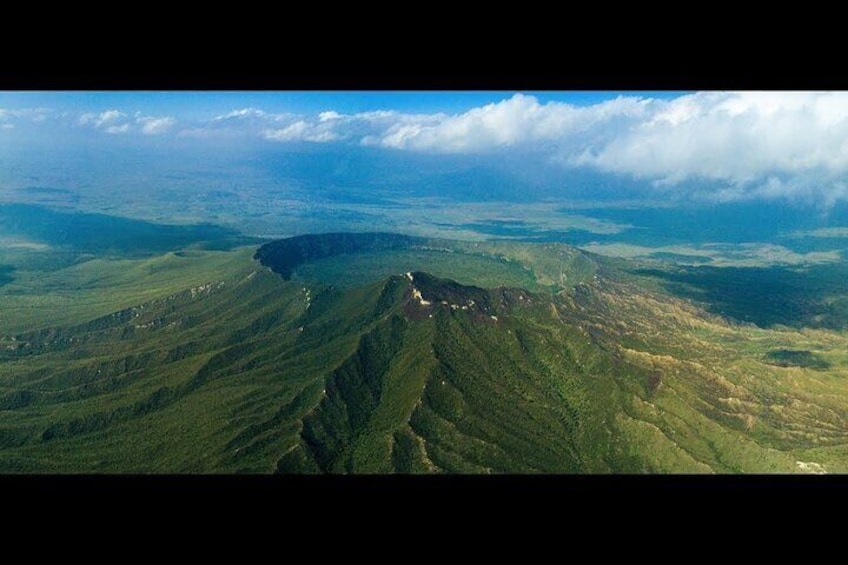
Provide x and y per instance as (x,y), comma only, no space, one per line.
(380,353)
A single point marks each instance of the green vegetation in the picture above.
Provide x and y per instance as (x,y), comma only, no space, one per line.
(33,298)
(285,255)
(409,355)
(354,270)
(353,258)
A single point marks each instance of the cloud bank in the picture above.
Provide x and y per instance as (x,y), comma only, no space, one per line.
(518,122)
(745,144)
(732,136)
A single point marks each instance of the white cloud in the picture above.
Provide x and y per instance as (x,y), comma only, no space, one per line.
(109,116)
(329,115)
(155,126)
(301,131)
(250,116)
(291,133)
(8,126)
(123,128)
(328,126)
(736,137)
(514,122)
(31,114)
(243,113)
(366,128)
(116,122)
(111,121)
(242,123)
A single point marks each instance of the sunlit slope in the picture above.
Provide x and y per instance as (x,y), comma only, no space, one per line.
(581,368)
(39,297)
(733,397)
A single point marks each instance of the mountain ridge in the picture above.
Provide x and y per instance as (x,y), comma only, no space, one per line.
(592,370)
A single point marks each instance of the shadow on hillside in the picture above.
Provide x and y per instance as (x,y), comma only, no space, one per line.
(6,274)
(813,297)
(101,234)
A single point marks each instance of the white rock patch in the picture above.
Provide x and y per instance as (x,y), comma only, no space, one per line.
(417,295)
(810,467)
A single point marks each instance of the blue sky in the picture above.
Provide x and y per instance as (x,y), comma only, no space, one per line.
(720,145)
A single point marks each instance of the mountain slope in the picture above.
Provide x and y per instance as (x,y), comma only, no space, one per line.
(589,370)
